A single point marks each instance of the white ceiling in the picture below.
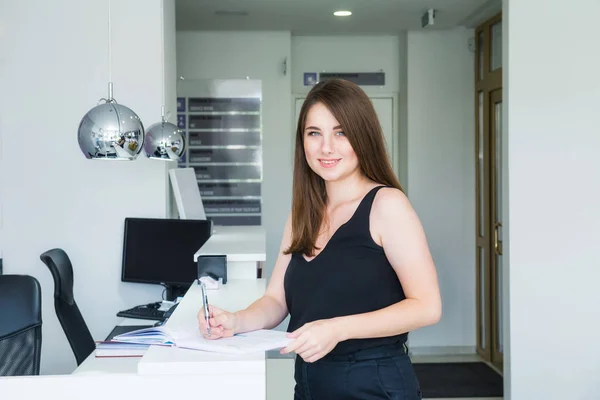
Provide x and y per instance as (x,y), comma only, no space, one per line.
(306,17)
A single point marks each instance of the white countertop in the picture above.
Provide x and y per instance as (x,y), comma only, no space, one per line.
(233,296)
(238,243)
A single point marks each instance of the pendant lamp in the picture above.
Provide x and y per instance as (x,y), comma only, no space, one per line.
(164,140)
(110,130)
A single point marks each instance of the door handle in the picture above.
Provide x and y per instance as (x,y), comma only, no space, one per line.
(497,243)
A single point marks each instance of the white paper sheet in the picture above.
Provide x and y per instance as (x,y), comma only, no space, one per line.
(250,342)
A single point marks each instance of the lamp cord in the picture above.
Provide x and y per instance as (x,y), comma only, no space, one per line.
(110,98)
(109,46)
(162,61)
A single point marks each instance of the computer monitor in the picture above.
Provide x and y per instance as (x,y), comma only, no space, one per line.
(161,251)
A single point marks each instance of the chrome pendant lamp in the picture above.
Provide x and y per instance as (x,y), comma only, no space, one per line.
(164,140)
(110,130)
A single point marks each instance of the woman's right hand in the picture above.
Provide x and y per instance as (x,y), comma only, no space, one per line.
(222,323)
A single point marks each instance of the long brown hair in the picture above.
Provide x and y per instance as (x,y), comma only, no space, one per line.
(353,109)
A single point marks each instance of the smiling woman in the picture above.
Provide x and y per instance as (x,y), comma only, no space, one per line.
(338,135)
(360,276)
(354,269)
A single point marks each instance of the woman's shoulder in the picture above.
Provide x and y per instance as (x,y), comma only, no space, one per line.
(389,202)
(388,213)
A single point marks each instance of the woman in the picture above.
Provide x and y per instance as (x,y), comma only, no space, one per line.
(354,270)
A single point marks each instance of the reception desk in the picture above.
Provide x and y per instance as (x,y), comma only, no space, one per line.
(164,372)
(244,248)
(235,295)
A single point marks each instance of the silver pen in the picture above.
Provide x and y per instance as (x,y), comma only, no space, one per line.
(205,301)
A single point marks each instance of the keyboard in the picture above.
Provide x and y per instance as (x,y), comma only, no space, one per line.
(143,312)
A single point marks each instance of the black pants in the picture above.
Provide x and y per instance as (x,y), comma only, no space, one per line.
(381,373)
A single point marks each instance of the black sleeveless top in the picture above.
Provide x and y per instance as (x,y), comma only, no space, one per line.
(351,275)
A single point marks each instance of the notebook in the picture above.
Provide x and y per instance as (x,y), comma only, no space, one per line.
(110,348)
(189,337)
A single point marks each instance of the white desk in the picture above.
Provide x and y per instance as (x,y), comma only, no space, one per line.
(244,246)
(175,372)
(235,295)
(164,372)
(125,386)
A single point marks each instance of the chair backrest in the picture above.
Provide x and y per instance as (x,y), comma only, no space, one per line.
(68,313)
(20,325)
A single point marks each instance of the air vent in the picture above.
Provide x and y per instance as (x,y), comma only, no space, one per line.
(231,13)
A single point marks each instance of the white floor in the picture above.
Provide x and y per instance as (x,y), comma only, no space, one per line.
(280,375)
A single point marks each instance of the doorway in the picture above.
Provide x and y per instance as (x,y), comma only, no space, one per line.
(489,169)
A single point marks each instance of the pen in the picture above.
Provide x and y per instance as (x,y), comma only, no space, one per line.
(205,301)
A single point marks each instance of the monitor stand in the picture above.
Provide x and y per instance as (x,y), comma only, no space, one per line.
(173,292)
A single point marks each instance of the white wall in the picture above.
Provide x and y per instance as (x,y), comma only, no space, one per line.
(346,54)
(53,69)
(402,125)
(554,198)
(358,54)
(441,174)
(258,55)
(170,55)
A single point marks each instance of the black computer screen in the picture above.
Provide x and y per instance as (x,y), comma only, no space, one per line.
(162,250)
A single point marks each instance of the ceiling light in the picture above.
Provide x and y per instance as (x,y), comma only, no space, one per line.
(342,13)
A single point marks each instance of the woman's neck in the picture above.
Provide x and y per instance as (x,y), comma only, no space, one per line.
(352,187)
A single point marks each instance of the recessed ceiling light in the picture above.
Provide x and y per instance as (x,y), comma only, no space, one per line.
(342,13)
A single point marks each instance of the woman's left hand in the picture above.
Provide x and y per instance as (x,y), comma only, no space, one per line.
(313,340)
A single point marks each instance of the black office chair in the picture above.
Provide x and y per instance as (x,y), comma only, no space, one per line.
(68,313)
(20,325)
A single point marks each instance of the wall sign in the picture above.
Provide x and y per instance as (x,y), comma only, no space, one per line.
(223,124)
(360,78)
(310,78)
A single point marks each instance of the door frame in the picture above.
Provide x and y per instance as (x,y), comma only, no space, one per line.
(486,83)
(497,357)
